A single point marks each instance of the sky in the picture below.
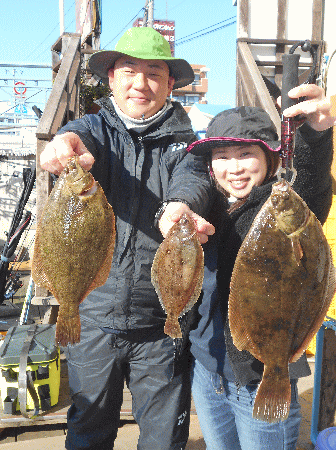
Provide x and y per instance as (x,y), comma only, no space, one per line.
(29,29)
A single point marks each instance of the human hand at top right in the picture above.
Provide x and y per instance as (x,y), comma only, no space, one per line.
(57,152)
(316,107)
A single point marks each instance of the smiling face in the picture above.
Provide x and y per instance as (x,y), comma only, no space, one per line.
(238,168)
(140,86)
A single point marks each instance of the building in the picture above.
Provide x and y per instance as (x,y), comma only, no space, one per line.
(200,116)
(24,92)
(17,130)
(195,92)
(17,153)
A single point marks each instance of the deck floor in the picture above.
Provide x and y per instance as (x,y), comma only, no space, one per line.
(15,428)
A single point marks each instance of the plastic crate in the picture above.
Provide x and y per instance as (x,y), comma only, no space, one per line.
(43,363)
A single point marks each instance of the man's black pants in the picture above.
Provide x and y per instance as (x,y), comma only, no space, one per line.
(98,367)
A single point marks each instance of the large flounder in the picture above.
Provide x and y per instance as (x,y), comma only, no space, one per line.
(74,245)
(282,285)
(177,272)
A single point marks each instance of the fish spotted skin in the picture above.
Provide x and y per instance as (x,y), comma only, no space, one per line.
(177,272)
(282,285)
(74,245)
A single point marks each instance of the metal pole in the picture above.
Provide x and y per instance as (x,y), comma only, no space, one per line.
(145,19)
(61,8)
(150,13)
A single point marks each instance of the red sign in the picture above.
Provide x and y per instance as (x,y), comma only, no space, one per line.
(20,88)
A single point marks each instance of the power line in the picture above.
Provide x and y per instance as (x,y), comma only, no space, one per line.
(41,43)
(184,40)
(142,9)
(43,51)
(27,66)
(12,107)
(203,29)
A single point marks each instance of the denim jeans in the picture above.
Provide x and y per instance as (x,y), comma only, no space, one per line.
(225,415)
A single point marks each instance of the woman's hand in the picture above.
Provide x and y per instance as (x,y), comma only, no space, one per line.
(173,213)
(316,107)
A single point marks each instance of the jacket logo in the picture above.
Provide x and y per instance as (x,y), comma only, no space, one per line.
(178,146)
(181,418)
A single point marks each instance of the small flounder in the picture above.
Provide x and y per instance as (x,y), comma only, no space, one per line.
(74,245)
(177,272)
(282,285)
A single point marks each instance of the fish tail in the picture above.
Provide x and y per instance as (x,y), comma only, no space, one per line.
(273,398)
(68,329)
(172,327)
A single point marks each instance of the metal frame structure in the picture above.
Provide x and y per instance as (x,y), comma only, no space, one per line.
(253,85)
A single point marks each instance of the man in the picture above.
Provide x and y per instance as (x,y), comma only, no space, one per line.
(136,147)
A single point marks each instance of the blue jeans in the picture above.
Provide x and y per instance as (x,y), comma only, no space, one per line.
(225,415)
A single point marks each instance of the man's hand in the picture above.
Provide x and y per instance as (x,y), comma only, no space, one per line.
(56,153)
(316,107)
(173,213)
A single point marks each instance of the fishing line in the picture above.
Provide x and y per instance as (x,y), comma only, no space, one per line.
(19,229)
(32,220)
(13,274)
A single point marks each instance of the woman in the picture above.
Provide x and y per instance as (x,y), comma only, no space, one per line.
(241,146)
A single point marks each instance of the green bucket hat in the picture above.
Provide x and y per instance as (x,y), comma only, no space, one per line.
(143,43)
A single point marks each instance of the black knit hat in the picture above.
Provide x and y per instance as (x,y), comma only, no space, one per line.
(246,124)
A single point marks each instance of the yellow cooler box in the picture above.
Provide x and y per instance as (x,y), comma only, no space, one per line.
(29,368)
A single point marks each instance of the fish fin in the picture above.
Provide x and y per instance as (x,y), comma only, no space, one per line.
(154,272)
(155,278)
(330,292)
(38,274)
(273,398)
(297,249)
(172,327)
(68,328)
(40,277)
(239,332)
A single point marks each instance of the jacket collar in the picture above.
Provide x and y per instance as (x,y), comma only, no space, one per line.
(175,120)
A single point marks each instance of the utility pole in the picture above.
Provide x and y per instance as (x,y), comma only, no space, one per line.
(145,19)
(61,8)
(150,13)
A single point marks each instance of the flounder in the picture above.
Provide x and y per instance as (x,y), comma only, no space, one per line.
(177,272)
(282,285)
(74,245)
